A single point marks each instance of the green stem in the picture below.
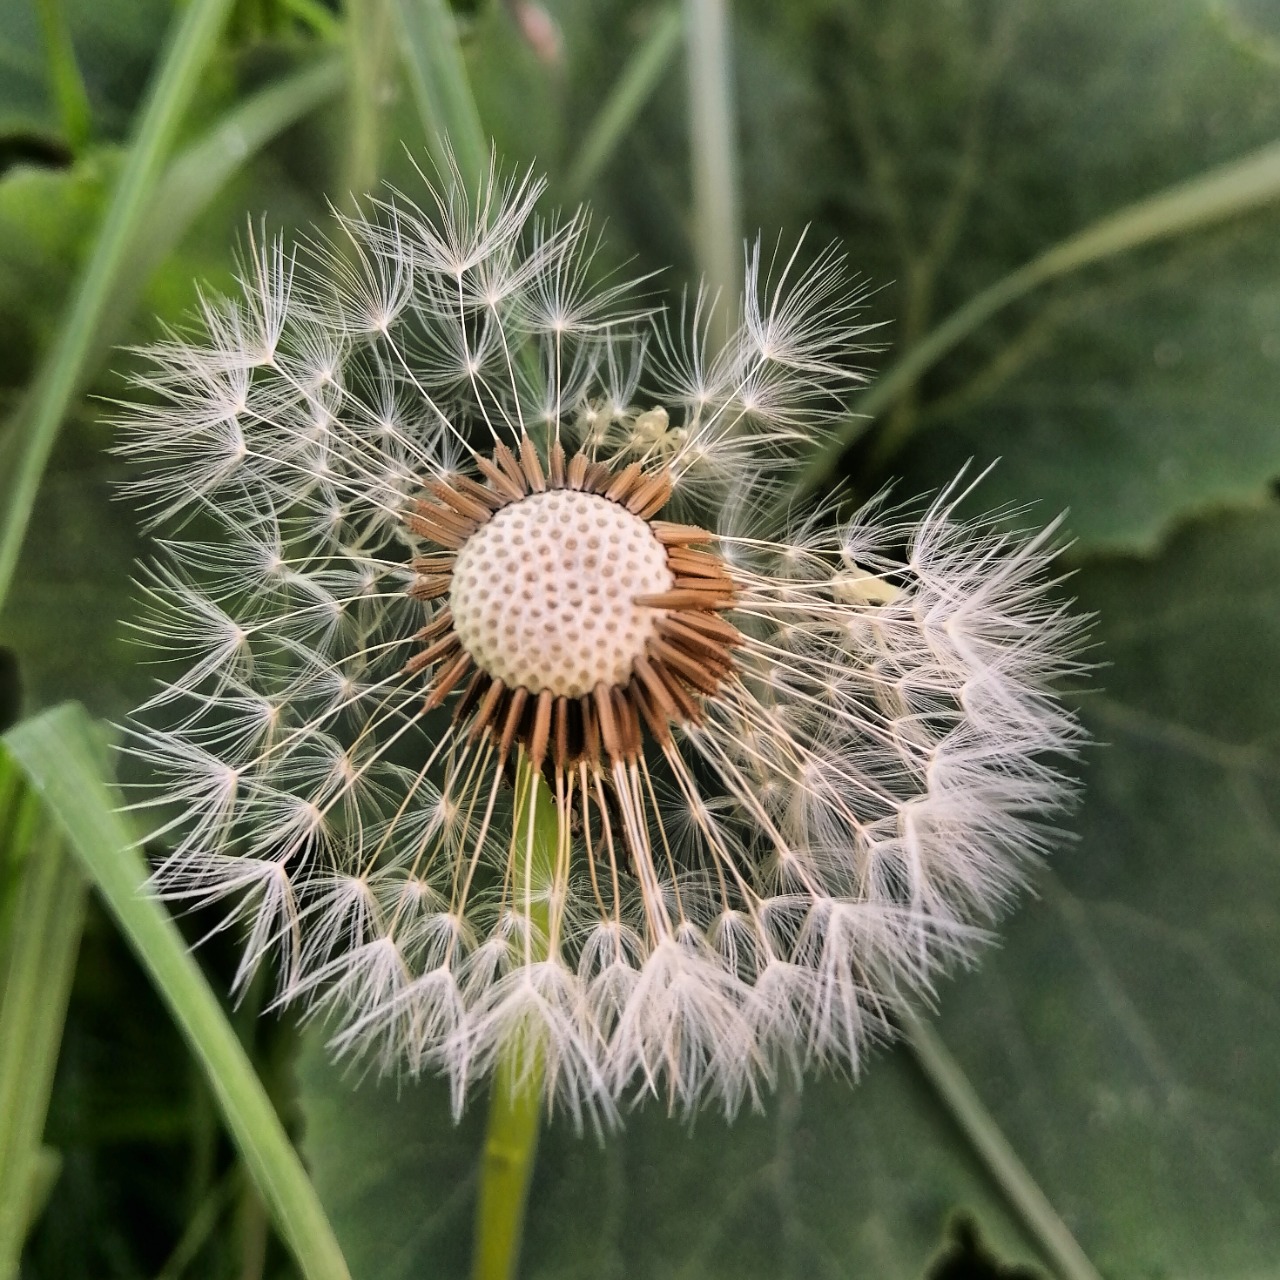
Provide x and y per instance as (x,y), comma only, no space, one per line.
(515,1102)
(641,76)
(45,939)
(506,1169)
(58,753)
(978,1125)
(1225,192)
(59,378)
(714,151)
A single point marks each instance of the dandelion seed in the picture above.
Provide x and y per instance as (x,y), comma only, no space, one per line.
(467,520)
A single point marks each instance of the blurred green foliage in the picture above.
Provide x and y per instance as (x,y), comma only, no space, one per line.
(1125,1033)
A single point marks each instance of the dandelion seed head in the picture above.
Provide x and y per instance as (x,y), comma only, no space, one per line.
(463,523)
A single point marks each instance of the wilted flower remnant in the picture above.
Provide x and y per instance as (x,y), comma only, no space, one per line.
(455,518)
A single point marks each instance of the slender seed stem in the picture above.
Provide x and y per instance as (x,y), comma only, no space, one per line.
(515,1103)
(995,1151)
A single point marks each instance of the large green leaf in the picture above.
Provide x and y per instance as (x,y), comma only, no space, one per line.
(1127,1035)
(1124,1036)
(945,145)
(834,1181)
(1131,400)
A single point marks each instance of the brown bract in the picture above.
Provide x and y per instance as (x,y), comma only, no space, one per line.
(684,662)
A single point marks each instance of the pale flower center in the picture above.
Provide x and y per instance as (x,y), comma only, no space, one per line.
(543,594)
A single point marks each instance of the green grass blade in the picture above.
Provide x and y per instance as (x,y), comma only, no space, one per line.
(441,88)
(46,1168)
(61,373)
(199,172)
(37,968)
(714,153)
(196,174)
(64,75)
(636,85)
(983,1135)
(19,813)
(312,13)
(370,66)
(1228,191)
(58,753)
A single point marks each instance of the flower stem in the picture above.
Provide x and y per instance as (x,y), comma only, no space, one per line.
(515,1103)
(506,1169)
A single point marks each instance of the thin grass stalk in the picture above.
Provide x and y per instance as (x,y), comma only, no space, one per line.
(370,50)
(713,150)
(1228,191)
(37,973)
(314,14)
(74,114)
(1011,1176)
(200,171)
(638,82)
(61,374)
(192,181)
(437,73)
(19,814)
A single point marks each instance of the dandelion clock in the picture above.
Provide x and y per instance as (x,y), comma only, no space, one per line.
(511,713)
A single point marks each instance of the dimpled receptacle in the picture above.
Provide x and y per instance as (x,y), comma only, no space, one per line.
(543,594)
